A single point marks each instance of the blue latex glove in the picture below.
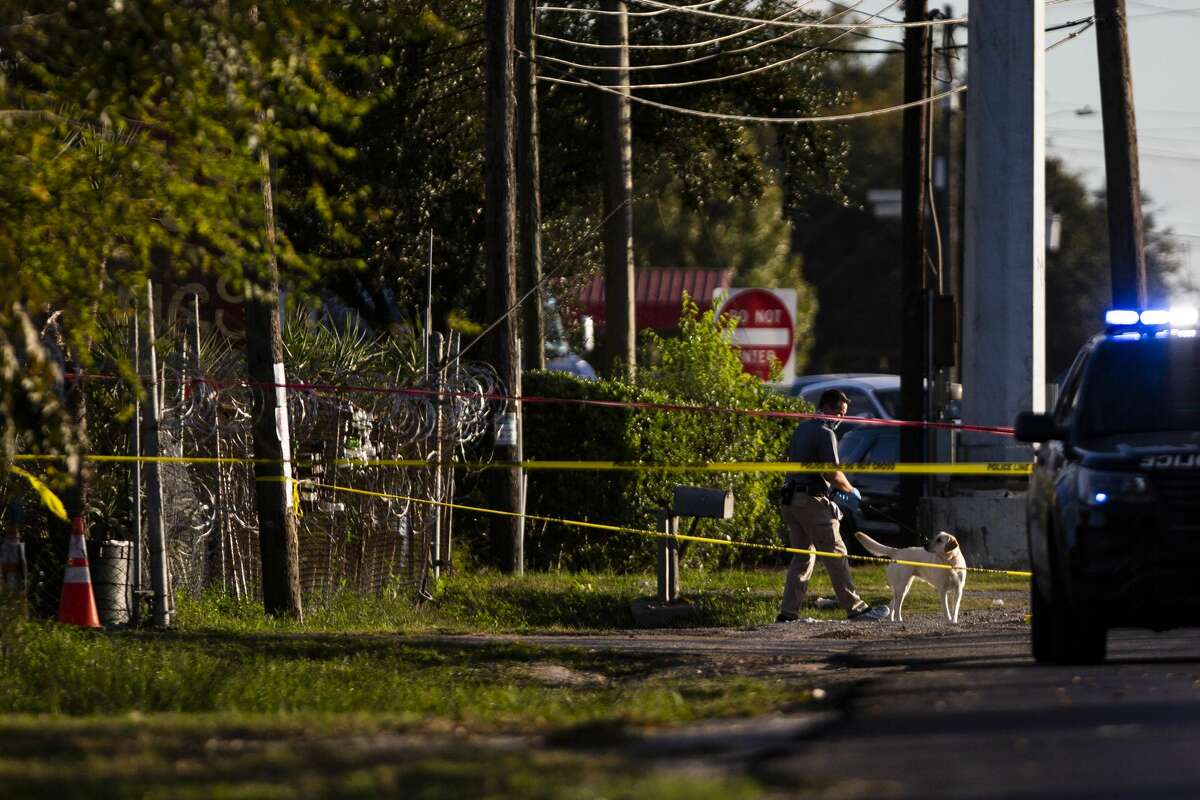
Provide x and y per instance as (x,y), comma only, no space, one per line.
(849,501)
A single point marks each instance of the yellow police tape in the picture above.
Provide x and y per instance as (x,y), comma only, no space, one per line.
(44,493)
(995,469)
(56,507)
(636,531)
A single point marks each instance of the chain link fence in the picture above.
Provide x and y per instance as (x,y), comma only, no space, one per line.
(364,401)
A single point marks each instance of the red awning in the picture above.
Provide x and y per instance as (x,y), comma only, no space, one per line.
(658,294)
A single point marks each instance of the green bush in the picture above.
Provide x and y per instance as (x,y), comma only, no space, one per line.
(698,368)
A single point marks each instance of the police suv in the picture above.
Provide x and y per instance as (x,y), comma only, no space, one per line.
(1114,500)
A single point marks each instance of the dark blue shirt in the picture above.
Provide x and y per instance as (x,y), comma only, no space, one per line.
(813,442)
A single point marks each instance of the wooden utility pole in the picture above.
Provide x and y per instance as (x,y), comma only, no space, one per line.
(620,355)
(914,322)
(952,236)
(1126,244)
(500,228)
(529,196)
(278,535)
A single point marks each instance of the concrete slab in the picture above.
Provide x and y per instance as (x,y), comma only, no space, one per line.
(990,526)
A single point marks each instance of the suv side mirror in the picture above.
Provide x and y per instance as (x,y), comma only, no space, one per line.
(1034,427)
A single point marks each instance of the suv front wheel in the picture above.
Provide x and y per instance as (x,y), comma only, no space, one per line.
(1060,634)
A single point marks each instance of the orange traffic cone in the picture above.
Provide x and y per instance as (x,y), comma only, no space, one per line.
(78,606)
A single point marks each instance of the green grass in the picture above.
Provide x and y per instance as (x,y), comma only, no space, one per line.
(366,655)
(226,714)
(182,758)
(232,704)
(488,602)
(410,683)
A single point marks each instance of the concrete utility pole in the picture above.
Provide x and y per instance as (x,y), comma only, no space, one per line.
(1004,266)
(914,276)
(1126,243)
(500,218)
(160,579)
(529,196)
(135,470)
(278,534)
(620,359)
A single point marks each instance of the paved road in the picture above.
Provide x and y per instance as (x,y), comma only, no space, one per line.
(972,716)
(961,713)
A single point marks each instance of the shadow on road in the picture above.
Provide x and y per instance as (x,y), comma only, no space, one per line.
(973,716)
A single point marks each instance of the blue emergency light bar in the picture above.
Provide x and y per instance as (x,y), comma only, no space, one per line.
(1121,317)
(1128,320)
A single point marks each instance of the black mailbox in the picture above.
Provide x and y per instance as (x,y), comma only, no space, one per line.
(695,501)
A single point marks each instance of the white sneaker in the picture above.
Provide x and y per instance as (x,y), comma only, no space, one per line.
(872,614)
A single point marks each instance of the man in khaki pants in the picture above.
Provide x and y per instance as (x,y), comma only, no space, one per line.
(813,519)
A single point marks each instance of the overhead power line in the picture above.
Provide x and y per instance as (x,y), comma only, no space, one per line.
(1063,25)
(607,13)
(756,70)
(664,10)
(927,23)
(1072,35)
(698,59)
(682,45)
(1143,152)
(695,112)
(744,73)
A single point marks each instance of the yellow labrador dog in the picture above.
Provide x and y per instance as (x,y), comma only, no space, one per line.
(948,582)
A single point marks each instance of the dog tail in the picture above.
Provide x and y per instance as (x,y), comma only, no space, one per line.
(874,547)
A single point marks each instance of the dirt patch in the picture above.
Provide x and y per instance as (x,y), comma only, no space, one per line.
(843,633)
(549,674)
(1003,617)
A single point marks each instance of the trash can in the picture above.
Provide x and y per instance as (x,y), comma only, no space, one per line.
(110,581)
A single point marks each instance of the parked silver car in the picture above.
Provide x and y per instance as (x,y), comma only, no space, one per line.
(871,394)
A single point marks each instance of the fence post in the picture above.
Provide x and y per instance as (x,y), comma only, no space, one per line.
(14,571)
(159,580)
(519,455)
(135,450)
(452,349)
(673,561)
(436,351)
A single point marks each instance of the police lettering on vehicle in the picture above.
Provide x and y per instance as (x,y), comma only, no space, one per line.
(1167,461)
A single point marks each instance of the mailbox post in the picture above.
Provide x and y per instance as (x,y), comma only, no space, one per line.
(688,501)
(668,557)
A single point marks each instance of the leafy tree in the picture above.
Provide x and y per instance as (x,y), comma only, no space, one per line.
(418,165)
(132,136)
(1078,279)
(419,149)
(698,368)
(850,257)
(707,193)
(751,237)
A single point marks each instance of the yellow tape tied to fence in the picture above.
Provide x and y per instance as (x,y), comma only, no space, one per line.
(641,531)
(995,469)
(45,494)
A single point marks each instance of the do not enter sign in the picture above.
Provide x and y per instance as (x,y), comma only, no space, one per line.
(766,328)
